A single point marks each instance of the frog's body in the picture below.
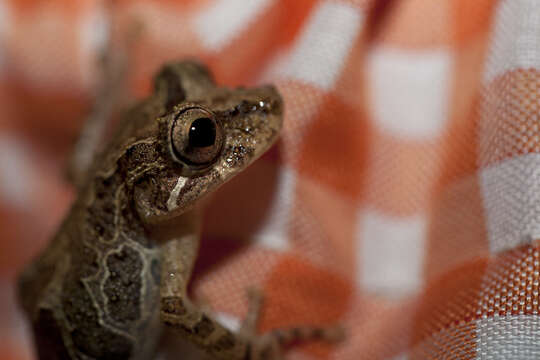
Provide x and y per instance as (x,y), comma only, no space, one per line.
(96,286)
(117,270)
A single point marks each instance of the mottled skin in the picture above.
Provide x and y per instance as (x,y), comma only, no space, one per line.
(115,274)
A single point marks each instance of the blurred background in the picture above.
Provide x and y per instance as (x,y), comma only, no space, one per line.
(400,200)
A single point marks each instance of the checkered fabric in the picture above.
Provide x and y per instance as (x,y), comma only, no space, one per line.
(403,199)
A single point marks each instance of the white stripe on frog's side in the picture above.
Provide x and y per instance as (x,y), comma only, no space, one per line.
(171,202)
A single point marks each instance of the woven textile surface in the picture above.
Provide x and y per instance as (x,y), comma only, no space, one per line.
(402,200)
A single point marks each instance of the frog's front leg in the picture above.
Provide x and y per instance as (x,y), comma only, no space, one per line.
(184,317)
(177,311)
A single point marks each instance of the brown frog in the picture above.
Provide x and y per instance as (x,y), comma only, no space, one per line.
(115,275)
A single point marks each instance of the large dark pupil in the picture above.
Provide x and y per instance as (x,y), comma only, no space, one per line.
(202,133)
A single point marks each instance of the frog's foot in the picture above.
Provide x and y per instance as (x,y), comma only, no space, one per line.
(269,346)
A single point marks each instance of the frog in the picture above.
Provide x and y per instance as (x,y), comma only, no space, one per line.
(114,278)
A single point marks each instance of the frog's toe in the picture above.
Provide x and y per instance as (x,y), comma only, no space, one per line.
(255,303)
(269,346)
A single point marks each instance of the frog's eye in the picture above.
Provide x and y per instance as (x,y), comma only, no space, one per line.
(196,137)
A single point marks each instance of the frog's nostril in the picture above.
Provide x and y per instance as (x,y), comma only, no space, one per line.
(270,99)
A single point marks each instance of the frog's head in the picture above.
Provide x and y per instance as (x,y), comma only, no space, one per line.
(207,135)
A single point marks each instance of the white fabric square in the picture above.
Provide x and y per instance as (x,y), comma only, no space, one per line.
(390,253)
(273,232)
(319,53)
(511,198)
(223,20)
(17,178)
(514,38)
(409,91)
(94,31)
(5,18)
(508,338)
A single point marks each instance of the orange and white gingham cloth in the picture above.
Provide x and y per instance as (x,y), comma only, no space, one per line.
(403,199)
